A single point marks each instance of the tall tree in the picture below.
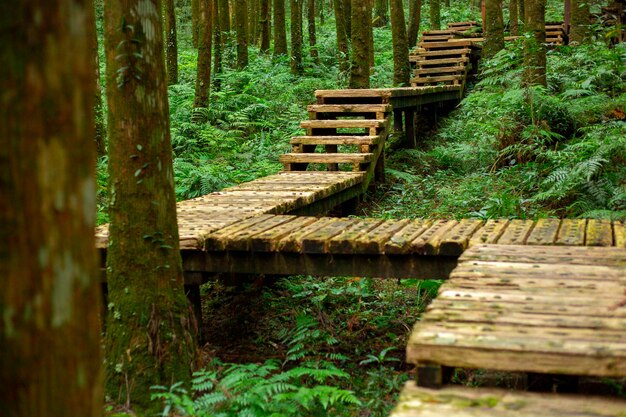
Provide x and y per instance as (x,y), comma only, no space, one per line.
(100,132)
(360,67)
(370,32)
(312,34)
(241,19)
(579,21)
(280,33)
(347,16)
(521,14)
(195,13)
(253,12)
(217,44)
(171,55)
(494,28)
(513,18)
(150,326)
(203,75)
(415,15)
(265,25)
(296,37)
(534,46)
(224,16)
(381,8)
(401,67)
(342,37)
(49,290)
(435,15)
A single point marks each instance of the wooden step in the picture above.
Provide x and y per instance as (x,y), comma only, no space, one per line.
(335,140)
(435,38)
(446,52)
(445,61)
(465,23)
(349,108)
(451,44)
(438,32)
(352,96)
(446,78)
(459,401)
(441,70)
(326,158)
(346,123)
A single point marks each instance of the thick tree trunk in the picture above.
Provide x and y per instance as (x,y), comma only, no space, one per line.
(265,26)
(296,37)
(195,13)
(203,77)
(150,326)
(217,45)
(49,286)
(494,28)
(360,68)
(280,33)
(380,12)
(370,32)
(522,14)
(312,34)
(342,38)
(513,18)
(401,67)
(172,46)
(347,16)
(579,21)
(100,132)
(415,15)
(534,47)
(435,15)
(241,19)
(224,16)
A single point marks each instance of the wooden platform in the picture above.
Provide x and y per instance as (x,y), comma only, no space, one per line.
(549,310)
(480,402)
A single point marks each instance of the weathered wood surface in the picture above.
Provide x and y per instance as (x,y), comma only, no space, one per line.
(559,310)
(456,401)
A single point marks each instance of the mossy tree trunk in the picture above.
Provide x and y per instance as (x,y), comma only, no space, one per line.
(343,51)
(171,55)
(50,361)
(241,19)
(579,21)
(217,45)
(253,15)
(494,28)
(347,17)
(296,37)
(534,46)
(312,34)
(203,75)
(370,32)
(195,13)
(266,27)
(150,325)
(224,16)
(521,14)
(401,67)
(100,132)
(381,8)
(280,33)
(513,18)
(415,15)
(435,15)
(360,63)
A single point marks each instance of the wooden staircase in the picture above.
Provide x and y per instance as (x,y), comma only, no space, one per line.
(555,33)
(442,62)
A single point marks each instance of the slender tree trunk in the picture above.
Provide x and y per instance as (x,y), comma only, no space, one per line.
(579,21)
(203,77)
(296,37)
(347,15)
(534,47)
(150,326)
(265,26)
(380,11)
(494,28)
(280,33)
(370,32)
(100,132)
(253,13)
(342,38)
(241,18)
(224,16)
(312,34)
(49,290)
(321,10)
(360,69)
(521,14)
(217,45)
(513,18)
(195,13)
(435,15)
(172,46)
(415,15)
(401,67)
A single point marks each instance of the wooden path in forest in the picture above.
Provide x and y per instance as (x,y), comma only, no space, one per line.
(542,298)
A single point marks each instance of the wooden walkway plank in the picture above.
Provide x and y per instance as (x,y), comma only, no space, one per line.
(599,233)
(619,229)
(572,232)
(335,140)
(241,240)
(374,241)
(544,232)
(345,242)
(516,232)
(401,241)
(293,241)
(268,240)
(490,232)
(428,243)
(216,240)
(457,240)
(318,240)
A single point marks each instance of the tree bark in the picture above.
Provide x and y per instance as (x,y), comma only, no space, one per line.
(265,26)
(347,16)
(522,15)
(217,45)
(415,15)
(253,12)
(534,46)
(150,326)
(342,38)
(435,15)
(370,32)
(380,12)
(241,18)
(494,28)
(513,18)
(195,13)
(203,76)
(360,68)
(401,67)
(579,21)
(100,131)
(172,46)
(280,33)
(49,287)
(296,37)
(224,16)
(312,34)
